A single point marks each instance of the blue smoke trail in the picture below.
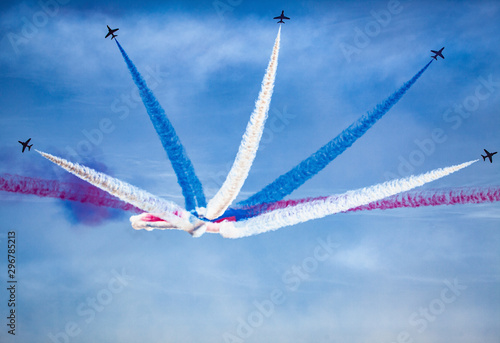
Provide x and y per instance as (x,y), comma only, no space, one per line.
(287,183)
(183,168)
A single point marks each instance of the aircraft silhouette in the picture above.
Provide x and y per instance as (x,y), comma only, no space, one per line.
(111,32)
(25,144)
(438,53)
(281,17)
(488,155)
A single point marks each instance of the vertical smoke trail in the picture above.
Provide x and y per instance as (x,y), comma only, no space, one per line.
(287,183)
(143,200)
(62,190)
(249,144)
(186,177)
(303,212)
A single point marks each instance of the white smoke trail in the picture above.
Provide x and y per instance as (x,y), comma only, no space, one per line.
(334,204)
(164,209)
(148,222)
(249,144)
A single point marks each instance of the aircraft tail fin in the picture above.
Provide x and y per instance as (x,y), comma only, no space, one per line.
(29,147)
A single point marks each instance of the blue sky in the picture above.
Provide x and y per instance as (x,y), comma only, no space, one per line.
(354,277)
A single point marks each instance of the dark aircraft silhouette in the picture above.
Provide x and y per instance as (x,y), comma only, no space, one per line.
(111,32)
(281,17)
(438,53)
(488,155)
(25,144)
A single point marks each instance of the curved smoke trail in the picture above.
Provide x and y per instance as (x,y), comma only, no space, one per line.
(186,176)
(143,200)
(303,212)
(249,144)
(290,181)
(62,190)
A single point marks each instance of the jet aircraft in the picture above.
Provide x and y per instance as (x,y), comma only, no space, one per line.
(281,17)
(488,155)
(111,32)
(25,144)
(438,53)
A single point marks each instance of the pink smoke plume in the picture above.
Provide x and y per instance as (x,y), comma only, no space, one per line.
(62,190)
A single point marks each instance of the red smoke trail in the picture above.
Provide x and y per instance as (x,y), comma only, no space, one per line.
(438,197)
(62,190)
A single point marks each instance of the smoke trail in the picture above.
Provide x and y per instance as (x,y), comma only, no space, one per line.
(143,200)
(250,142)
(290,181)
(435,198)
(303,212)
(186,176)
(149,222)
(438,197)
(62,190)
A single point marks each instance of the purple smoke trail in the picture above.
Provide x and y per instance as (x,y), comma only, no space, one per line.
(62,190)
(290,181)
(186,176)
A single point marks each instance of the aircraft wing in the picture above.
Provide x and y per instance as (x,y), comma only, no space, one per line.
(486,151)
(107,35)
(285,17)
(277,17)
